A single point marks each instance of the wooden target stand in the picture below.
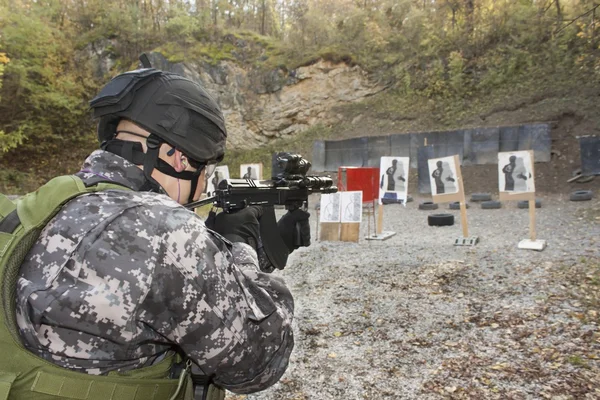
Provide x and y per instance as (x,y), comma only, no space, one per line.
(532,243)
(459,196)
(338,231)
(379,234)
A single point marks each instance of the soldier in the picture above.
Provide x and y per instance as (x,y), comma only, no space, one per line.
(121,283)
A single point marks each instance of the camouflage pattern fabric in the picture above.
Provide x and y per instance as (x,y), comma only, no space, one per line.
(118,278)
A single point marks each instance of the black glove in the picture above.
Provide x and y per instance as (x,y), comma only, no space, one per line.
(294,229)
(238,226)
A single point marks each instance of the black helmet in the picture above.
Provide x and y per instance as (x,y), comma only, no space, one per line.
(177,110)
(174,109)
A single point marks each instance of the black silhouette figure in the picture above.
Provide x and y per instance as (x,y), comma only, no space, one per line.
(215,181)
(390,172)
(437,176)
(249,174)
(509,180)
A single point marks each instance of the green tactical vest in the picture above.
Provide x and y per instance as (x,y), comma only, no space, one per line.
(23,375)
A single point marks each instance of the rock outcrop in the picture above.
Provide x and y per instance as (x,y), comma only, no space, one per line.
(259,107)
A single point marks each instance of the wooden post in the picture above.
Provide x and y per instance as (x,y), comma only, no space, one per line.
(463,205)
(532,218)
(374,219)
(532,234)
(463,219)
(379,219)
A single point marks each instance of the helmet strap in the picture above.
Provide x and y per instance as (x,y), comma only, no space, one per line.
(194,185)
(151,158)
(134,153)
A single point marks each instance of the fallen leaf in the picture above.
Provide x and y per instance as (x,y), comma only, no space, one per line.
(501,366)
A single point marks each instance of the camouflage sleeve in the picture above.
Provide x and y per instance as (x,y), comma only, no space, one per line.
(229,317)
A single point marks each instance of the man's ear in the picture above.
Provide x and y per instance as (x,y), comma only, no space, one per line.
(179,161)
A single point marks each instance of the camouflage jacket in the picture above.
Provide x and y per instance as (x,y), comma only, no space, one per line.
(118,278)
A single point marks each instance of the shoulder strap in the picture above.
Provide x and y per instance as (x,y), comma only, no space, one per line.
(40,206)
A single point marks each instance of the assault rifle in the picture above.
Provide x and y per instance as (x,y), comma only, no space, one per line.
(289,186)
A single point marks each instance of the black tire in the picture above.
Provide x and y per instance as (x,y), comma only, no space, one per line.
(456,205)
(525,204)
(581,195)
(428,205)
(440,220)
(481,197)
(491,205)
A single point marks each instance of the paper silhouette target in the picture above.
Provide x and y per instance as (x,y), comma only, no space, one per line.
(393,181)
(221,172)
(443,175)
(330,207)
(514,172)
(351,206)
(251,171)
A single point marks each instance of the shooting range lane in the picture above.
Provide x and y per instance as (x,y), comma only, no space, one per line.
(416,304)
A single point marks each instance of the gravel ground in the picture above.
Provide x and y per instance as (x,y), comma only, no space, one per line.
(415,317)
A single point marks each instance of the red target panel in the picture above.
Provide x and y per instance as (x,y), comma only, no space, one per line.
(365,179)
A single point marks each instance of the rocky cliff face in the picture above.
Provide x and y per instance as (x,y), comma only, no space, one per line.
(260,107)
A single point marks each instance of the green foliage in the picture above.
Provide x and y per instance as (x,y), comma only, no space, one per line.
(440,58)
(459,81)
(44,98)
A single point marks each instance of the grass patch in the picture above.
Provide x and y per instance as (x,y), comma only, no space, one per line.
(577,361)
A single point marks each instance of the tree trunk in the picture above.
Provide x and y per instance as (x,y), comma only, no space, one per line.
(469,9)
(453,18)
(262,17)
(559,16)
